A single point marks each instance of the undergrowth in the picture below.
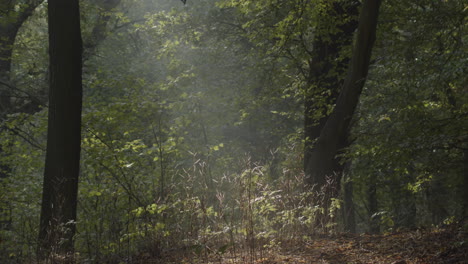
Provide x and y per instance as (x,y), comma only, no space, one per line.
(240,215)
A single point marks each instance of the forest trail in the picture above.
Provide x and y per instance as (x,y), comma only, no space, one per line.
(445,245)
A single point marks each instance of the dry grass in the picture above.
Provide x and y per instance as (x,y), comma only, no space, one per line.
(448,245)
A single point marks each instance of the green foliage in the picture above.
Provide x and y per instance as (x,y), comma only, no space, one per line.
(410,134)
(22,145)
(192,127)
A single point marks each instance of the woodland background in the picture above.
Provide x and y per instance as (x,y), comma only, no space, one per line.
(198,124)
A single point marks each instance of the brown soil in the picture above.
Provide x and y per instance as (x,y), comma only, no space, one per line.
(446,245)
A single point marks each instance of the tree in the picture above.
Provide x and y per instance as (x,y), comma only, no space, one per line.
(20,95)
(327,68)
(315,38)
(336,129)
(334,134)
(59,200)
(311,40)
(328,63)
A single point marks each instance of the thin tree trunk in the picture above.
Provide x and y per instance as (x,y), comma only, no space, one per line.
(59,198)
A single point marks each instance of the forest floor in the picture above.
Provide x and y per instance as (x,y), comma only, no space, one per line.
(442,245)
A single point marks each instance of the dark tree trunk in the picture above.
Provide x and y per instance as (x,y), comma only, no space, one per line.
(8,33)
(59,198)
(334,133)
(326,75)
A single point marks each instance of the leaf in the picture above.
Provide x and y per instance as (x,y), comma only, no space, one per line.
(94,193)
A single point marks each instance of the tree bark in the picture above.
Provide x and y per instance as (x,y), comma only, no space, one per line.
(60,188)
(335,130)
(326,74)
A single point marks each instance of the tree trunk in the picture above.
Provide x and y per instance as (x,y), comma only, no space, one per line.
(59,198)
(334,133)
(326,74)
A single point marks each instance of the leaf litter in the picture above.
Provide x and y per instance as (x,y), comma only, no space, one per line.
(447,245)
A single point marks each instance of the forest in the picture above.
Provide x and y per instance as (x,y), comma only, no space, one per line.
(233,131)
